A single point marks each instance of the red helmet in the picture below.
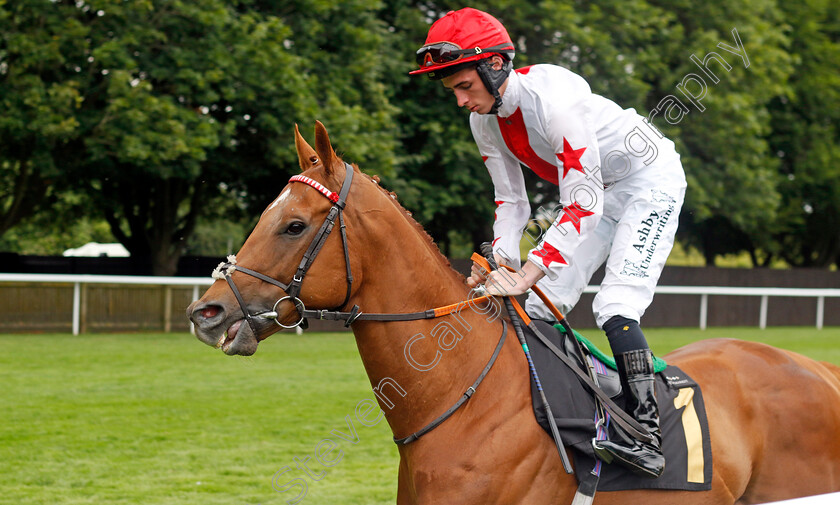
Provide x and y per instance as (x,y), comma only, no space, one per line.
(460,37)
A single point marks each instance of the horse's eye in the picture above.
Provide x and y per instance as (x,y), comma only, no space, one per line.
(295,228)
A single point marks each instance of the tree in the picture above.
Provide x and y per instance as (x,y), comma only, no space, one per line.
(343,54)
(641,54)
(174,105)
(159,110)
(68,223)
(38,116)
(635,54)
(806,139)
(440,175)
(166,109)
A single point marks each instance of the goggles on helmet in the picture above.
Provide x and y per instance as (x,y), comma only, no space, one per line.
(447,52)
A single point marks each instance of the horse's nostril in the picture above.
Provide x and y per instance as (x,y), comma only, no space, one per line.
(210,311)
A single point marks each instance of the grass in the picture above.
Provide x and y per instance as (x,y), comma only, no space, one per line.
(163,419)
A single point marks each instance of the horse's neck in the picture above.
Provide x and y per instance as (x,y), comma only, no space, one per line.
(402,270)
(418,368)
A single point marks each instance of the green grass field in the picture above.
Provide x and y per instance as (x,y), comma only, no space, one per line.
(164,419)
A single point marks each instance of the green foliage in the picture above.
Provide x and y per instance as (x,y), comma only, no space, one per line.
(176,116)
(806,138)
(342,53)
(440,176)
(68,224)
(637,55)
(732,173)
(38,109)
(218,237)
(160,109)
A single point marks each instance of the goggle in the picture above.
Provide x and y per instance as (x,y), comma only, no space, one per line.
(447,52)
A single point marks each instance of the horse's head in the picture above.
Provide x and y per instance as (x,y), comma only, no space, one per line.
(290,259)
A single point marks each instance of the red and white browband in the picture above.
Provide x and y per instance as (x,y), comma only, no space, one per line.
(317,185)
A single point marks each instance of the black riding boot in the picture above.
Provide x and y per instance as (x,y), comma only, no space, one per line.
(636,371)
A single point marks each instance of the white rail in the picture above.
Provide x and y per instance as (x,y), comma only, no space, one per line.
(196,282)
(77,281)
(143,280)
(765,293)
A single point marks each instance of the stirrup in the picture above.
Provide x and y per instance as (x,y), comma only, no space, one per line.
(651,471)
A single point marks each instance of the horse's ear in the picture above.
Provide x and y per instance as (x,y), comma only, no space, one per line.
(324,148)
(307,157)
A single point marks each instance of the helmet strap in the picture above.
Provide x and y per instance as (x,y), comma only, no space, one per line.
(493,79)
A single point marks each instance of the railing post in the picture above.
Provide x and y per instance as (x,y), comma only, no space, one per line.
(820,311)
(77,306)
(762,316)
(704,310)
(167,313)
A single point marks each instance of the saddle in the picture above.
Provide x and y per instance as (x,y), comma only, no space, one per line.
(607,377)
(571,394)
(685,431)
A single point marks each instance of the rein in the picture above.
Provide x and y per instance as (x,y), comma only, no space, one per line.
(292,289)
(466,396)
(356,315)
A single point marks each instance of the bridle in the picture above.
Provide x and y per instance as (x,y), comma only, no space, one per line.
(293,288)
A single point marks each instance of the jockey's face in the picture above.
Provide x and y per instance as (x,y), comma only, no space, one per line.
(470,91)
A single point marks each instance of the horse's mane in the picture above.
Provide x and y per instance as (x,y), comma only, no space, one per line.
(429,241)
(392,197)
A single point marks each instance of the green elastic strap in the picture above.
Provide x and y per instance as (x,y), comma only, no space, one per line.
(658,363)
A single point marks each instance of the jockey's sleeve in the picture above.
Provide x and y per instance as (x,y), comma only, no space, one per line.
(571,131)
(511,198)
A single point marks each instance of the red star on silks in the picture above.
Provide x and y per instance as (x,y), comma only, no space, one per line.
(549,255)
(570,157)
(573,214)
(498,202)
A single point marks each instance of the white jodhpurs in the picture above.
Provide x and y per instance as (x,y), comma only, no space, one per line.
(635,236)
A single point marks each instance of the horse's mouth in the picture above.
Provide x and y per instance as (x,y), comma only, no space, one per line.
(227,338)
(234,341)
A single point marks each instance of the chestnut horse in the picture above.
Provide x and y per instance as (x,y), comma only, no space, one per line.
(774,416)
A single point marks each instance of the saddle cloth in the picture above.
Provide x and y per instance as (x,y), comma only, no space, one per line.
(685,430)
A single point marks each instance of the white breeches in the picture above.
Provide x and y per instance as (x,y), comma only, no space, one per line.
(635,236)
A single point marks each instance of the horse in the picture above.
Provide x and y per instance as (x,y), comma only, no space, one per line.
(773,415)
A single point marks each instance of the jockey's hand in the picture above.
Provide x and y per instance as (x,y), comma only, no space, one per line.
(478,274)
(506,283)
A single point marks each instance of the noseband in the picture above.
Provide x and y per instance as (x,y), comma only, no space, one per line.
(292,289)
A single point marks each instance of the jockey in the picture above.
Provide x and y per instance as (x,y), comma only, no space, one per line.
(620,188)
